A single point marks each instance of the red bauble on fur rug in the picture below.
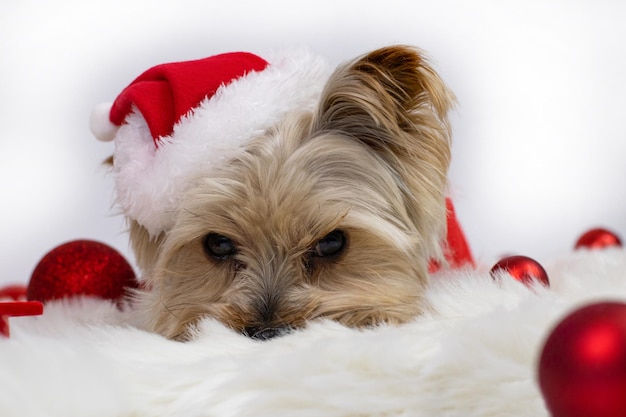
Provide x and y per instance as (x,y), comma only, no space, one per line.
(480,351)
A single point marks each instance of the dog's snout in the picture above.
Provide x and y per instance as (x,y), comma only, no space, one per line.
(264,333)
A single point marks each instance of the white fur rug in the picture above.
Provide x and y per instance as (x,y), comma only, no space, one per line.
(474,355)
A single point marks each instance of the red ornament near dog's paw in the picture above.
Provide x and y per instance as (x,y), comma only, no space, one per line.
(582,368)
(81,267)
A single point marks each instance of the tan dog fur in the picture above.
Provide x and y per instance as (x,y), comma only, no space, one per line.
(370,162)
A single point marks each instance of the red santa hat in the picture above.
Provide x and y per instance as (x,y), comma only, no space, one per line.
(177,120)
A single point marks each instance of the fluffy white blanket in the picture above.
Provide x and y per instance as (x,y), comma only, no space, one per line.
(474,355)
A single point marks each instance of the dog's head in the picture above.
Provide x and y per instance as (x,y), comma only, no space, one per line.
(332,213)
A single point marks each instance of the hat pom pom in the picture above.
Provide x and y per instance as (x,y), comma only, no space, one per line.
(100,124)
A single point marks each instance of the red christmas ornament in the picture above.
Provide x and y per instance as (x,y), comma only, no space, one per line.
(522,268)
(582,368)
(598,238)
(81,267)
(13,293)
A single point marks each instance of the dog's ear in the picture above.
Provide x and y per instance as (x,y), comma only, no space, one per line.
(395,103)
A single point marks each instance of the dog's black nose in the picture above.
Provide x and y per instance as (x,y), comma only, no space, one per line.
(264,333)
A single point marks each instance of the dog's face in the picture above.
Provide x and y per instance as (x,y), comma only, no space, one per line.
(333,214)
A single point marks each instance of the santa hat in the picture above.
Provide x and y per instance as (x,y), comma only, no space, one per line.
(177,120)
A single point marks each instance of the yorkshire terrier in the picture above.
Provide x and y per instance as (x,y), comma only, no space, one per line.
(330,214)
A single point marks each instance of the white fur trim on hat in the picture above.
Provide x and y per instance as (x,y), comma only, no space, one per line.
(150,181)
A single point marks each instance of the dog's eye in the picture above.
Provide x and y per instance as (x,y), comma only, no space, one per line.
(218,246)
(331,244)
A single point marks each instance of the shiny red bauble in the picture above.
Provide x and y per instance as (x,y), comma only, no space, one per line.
(582,367)
(522,268)
(598,238)
(81,267)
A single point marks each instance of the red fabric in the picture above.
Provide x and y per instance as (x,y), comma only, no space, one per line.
(165,93)
(457,251)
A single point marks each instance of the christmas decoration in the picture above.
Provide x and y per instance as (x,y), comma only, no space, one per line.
(582,369)
(474,353)
(598,238)
(81,267)
(16,306)
(522,268)
(15,292)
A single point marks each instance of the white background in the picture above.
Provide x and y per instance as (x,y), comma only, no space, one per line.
(540,138)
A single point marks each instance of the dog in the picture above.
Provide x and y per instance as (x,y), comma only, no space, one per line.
(332,213)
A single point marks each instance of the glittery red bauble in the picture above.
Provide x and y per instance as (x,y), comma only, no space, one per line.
(598,239)
(522,268)
(582,368)
(81,267)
